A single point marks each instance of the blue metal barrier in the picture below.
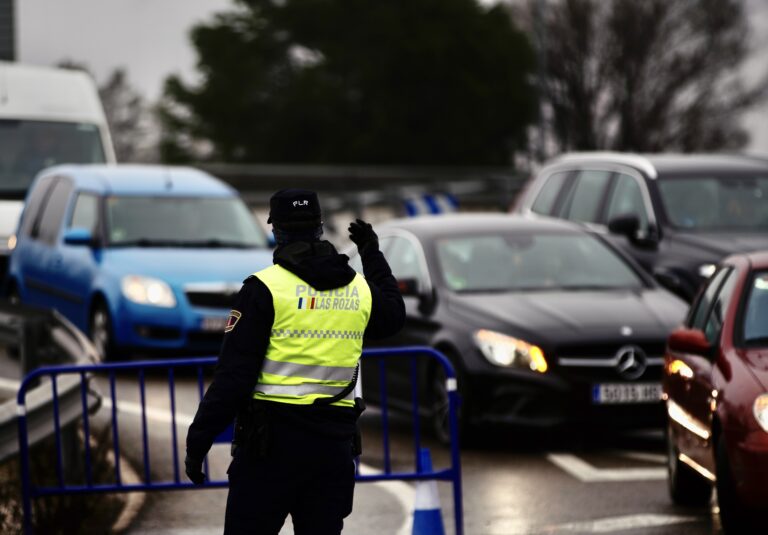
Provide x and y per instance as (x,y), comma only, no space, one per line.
(178,482)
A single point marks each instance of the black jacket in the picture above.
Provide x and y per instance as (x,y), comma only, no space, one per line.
(245,345)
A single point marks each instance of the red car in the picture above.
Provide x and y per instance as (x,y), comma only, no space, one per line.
(715,385)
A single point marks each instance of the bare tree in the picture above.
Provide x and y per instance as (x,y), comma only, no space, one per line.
(646,76)
(130,119)
(127,116)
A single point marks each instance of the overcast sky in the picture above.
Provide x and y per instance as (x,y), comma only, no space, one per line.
(150,39)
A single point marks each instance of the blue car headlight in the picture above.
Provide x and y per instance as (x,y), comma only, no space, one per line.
(503,350)
(147,291)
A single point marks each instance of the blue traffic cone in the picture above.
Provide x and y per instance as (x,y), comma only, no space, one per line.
(427,517)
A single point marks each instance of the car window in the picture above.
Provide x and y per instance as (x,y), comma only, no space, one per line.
(717,202)
(627,198)
(86,212)
(714,325)
(703,305)
(356,262)
(756,311)
(404,259)
(547,196)
(182,221)
(37,198)
(584,198)
(526,262)
(53,213)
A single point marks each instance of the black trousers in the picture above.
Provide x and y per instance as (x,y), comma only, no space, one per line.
(312,478)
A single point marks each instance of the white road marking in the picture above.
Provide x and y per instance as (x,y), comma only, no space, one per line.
(587,473)
(620,523)
(159,415)
(9,384)
(656,458)
(614,524)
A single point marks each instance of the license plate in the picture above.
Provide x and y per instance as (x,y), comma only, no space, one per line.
(616,393)
(214,324)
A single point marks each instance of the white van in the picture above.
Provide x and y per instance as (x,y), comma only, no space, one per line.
(48,116)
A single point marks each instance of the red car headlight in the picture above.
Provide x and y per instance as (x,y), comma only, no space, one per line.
(760,410)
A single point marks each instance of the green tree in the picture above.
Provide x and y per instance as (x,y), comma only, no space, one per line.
(646,76)
(354,81)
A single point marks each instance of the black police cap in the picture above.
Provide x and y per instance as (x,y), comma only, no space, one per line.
(295,209)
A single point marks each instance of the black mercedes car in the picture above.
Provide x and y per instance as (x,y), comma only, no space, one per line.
(678,215)
(544,321)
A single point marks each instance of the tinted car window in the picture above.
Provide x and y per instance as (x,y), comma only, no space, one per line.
(714,324)
(518,262)
(26,147)
(627,198)
(547,196)
(704,304)
(53,213)
(584,199)
(86,212)
(716,202)
(183,221)
(756,311)
(34,204)
(404,259)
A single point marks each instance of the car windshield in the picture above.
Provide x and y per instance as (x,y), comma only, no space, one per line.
(756,311)
(716,203)
(181,222)
(26,147)
(519,262)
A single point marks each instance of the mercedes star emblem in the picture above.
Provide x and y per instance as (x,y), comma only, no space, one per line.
(631,362)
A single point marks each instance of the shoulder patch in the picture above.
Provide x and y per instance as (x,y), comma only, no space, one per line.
(234,317)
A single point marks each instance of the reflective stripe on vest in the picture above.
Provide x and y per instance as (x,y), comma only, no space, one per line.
(316,338)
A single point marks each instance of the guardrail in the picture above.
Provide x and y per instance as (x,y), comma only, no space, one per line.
(39,336)
(352,187)
(83,372)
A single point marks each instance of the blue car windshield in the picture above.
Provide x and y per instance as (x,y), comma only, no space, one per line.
(181,222)
(716,202)
(523,262)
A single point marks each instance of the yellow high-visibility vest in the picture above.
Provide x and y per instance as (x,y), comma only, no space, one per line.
(316,339)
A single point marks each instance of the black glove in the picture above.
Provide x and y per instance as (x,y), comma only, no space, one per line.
(362,234)
(194,470)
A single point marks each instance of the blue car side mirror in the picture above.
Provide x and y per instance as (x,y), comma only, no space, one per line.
(78,236)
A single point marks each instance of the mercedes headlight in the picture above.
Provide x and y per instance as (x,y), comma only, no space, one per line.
(148,291)
(707,270)
(503,350)
(760,410)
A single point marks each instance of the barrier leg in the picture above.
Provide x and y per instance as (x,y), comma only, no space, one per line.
(26,498)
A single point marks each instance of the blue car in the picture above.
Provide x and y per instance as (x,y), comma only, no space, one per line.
(144,259)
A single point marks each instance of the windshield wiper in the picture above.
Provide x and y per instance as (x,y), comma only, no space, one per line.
(203,244)
(216,243)
(147,242)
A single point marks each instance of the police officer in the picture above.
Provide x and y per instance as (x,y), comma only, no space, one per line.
(287,370)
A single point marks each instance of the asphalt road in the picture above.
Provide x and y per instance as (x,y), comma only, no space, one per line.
(514,484)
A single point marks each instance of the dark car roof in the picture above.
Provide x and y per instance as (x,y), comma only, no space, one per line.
(654,165)
(467,223)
